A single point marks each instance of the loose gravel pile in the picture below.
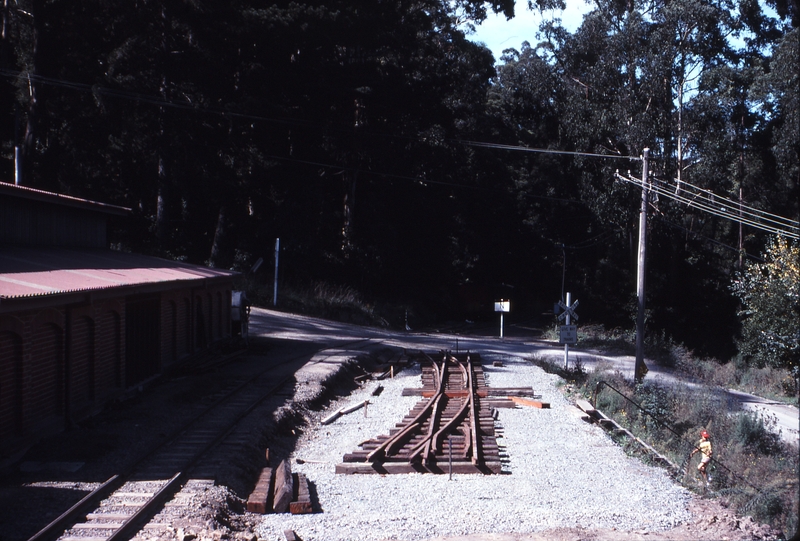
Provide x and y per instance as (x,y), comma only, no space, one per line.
(560,473)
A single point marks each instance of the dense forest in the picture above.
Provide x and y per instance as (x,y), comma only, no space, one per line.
(387,151)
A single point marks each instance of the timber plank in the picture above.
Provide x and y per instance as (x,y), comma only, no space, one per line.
(258,502)
(284,487)
(527,402)
(301,504)
(585,406)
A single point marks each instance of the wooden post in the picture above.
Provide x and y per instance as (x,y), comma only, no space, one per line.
(568,321)
(275,288)
(640,275)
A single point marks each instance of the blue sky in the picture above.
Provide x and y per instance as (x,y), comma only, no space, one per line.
(499,34)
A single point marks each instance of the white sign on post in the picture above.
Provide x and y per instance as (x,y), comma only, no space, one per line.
(568,334)
(502,306)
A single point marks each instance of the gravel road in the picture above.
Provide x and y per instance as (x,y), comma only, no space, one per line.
(564,479)
(560,473)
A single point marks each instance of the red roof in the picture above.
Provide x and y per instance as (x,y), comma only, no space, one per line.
(26,192)
(27,272)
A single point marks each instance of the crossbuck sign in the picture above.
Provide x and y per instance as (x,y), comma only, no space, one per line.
(568,333)
(567,310)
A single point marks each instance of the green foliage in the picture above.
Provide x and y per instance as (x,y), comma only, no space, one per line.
(339,127)
(770,294)
(754,432)
(575,373)
(752,468)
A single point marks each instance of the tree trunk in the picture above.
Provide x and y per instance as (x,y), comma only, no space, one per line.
(216,257)
(32,127)
(350,179)
(162,214)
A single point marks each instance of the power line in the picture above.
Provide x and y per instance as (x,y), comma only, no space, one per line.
(756,221)
(163,101)
(419,180)
(706,238)
(482,144)
(696,197)
(592,241)
(743,209)
(706,202)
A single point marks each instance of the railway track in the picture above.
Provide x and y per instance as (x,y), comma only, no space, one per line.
(119,508)
(451,430)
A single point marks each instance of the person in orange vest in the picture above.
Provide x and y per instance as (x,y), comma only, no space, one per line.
(704,446)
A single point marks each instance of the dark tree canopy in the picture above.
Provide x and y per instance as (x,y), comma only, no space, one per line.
(343,128)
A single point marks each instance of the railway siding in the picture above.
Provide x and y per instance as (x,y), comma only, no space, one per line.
(453,431)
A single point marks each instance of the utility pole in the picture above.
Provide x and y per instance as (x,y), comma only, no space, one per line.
(275,288)
(741,242)
(638,370)
(568,322)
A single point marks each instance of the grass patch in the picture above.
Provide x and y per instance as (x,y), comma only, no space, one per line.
(769,382)
(320,299)
(752,468)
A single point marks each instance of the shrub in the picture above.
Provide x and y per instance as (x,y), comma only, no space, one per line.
(752,467)
(574,374)
(767,381)
(753,431)
(770,293)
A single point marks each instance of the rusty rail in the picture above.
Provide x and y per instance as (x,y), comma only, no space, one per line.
(453,412)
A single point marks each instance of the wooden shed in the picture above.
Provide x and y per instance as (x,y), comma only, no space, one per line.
(80,323)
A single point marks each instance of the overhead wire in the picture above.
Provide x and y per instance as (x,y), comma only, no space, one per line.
(672,224)
(163,101)
(372,172)
(741,207)
(482,144)
(698,198)
(755,219)
(712,209)
(591,241)
(758,222)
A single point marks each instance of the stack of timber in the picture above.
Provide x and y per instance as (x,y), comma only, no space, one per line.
(594,415)
(278,490)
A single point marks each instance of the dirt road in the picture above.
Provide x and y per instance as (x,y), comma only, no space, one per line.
(277,324)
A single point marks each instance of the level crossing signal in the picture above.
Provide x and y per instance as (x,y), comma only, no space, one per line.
(567,310)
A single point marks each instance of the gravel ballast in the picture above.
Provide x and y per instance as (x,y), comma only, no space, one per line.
(559,473)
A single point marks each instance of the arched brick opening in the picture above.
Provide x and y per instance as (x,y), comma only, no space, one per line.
(83,369)
(44,382)
(11,396)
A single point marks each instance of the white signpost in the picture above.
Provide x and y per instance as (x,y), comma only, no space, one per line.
(502,306)
(568,332)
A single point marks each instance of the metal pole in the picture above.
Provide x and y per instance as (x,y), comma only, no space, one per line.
(566,346)
(275,289)
(501,324)
(563,269)
(17,165)
(640,275)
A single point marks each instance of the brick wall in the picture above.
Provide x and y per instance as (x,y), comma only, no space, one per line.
(109,349)
(33,371)
(176,325)
(10,382)
(43,372)
(82,366)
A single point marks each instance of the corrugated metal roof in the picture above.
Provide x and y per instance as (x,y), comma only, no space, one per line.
(26,192)
(27,272)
